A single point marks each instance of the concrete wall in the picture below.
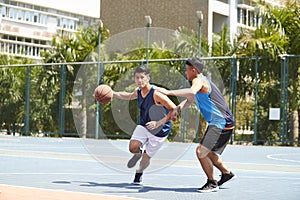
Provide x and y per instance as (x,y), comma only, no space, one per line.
(122,15)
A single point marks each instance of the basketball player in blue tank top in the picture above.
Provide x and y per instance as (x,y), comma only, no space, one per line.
(154,127)
(220,121)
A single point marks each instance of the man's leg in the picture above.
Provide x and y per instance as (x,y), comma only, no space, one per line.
(134,147)
(205,161)
(226,174)
(212,159)
(145,162)
(208,159)
(217,162)
(151,147)
(207,166)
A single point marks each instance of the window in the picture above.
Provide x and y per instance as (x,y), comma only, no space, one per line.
(65,23)
(43,19)
(21,5)
(13,3)
(253,19)
(28,6)
(58,22)
(35,17)
(71,24)
(3,11)
(12,13)
(244,16)
(239,15)
(20,15)
(28,16)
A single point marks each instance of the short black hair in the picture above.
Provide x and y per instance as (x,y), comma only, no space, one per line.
(195,62)
(142,69)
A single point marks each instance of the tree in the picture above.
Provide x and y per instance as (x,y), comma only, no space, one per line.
(277,34)
(12,94)
(286,21)
(68,49)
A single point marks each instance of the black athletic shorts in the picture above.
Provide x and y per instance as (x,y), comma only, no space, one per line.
(216,139)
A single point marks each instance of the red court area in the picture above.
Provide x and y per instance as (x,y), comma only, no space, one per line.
(25,193)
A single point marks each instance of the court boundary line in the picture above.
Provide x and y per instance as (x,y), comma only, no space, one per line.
(270,156)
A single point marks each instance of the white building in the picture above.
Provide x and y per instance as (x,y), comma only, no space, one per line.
(27,26)
(236,14)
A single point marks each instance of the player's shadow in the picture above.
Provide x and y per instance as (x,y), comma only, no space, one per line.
(129,186)
(140,188)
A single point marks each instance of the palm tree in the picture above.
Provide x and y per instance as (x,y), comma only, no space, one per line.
(277,34)
(12,83)
(286,21)
(70,48)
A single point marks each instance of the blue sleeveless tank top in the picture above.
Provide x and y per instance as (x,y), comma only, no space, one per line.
(149,111)
(213,106)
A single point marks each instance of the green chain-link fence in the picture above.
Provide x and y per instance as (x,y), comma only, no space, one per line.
(57,99)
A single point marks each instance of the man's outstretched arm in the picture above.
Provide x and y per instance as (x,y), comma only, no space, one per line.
(125,95)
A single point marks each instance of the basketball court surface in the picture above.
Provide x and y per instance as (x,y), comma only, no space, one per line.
(85,169)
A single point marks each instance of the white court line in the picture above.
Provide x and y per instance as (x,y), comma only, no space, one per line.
(158,175)
(106,160)
(272,156)
(90,157)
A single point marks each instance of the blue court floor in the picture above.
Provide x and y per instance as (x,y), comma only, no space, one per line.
(99,166)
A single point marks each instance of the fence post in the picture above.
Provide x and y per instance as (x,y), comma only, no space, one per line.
(283,99)
(256,99)
(27,101)
(148,24)
(286,104)
(184,112)
(62,100)
(99,82)
(233,79)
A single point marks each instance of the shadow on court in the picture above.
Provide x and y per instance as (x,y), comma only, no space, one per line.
(129,186)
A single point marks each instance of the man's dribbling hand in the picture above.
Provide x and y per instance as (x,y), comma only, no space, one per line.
(175,113)
(152,125)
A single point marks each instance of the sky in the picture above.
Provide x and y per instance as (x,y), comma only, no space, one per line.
(85,7)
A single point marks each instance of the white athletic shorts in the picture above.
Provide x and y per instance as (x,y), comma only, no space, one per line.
(150,142)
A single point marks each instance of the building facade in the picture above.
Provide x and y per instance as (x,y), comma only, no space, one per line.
(26,29)
(122,15)
(27,26)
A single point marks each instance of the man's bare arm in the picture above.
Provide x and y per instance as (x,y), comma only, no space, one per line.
(125,95)
(163,100)
(189,93)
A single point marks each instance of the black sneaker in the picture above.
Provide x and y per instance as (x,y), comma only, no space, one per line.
(225,178)
(132,162)
(137,179)
(210,186)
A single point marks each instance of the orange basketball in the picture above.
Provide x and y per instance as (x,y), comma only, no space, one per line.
(103,94)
